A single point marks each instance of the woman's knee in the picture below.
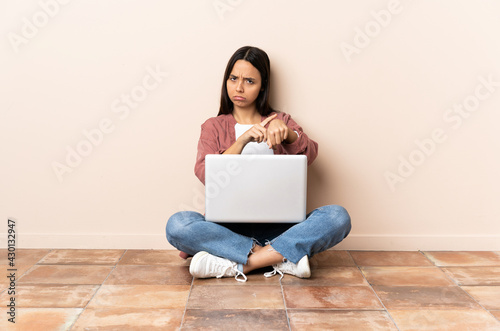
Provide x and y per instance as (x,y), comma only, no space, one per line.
(177,224)
(339,217)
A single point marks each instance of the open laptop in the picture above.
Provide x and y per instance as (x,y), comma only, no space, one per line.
(255,188)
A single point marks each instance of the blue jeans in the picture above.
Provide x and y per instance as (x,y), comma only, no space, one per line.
(323,228)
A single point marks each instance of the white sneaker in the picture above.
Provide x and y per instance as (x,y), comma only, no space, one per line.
(300,269)
(205,265)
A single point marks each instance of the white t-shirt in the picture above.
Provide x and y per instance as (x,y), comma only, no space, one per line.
(252,147)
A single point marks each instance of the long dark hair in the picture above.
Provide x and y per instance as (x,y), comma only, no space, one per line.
(259,59)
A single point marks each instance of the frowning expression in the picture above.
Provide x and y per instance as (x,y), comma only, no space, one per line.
(244,84)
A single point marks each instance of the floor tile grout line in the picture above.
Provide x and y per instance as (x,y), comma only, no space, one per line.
(284,305)
(428,258)
(121,257)
(374,292)
(97,290)
(187,303)
(480,305)
(352,258)
(18,278)
(458,285)
(454,282)
(50,251)
(392,265)
(448,276)
(85,264)
(74,265)
(29,269)
(460,265)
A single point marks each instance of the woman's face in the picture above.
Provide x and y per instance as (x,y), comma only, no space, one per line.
(244,84)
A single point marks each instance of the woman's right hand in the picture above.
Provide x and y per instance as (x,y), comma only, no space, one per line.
(258,132)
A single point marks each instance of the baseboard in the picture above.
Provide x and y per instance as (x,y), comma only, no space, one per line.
(352,242)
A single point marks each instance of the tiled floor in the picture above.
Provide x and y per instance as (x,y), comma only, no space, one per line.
(349,290)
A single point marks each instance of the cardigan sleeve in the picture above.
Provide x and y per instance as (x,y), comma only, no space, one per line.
(209,143)
(215,138)
(303,144)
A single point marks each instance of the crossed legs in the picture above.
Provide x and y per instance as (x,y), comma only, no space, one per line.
(324,227)
(262,256)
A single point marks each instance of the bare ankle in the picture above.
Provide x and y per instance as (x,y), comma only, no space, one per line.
(256,248)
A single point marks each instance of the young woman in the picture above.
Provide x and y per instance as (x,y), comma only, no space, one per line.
(246,123)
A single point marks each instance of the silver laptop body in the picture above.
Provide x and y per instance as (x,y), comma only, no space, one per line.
(255,188)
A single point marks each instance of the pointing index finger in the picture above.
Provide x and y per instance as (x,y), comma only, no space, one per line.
(268,119)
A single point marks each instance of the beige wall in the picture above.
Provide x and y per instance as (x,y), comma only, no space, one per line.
(402,97)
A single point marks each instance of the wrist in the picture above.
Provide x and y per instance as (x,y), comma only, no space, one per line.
(236,148)
(241,141)
(291,137)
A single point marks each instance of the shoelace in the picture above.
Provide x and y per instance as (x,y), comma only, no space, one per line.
(225,269)
(239,273)
(272,273)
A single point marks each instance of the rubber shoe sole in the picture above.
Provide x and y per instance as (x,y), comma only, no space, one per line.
(194,263)
(303,266)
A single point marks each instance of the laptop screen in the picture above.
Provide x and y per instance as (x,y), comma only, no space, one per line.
(255,188)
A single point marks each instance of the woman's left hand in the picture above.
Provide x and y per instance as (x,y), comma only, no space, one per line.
(277,132)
